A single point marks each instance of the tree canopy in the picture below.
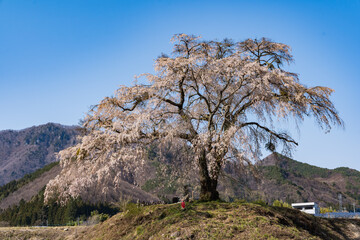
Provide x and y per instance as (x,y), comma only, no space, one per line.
(222,99)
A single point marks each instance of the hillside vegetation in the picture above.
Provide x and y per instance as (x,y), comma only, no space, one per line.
(36,213)
(220,220)
(28,178)
(22,202)
(292,181)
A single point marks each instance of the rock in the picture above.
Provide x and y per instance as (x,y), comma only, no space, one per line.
(175,234)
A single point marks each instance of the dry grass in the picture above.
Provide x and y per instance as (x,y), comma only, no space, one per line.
(42,233)
(216,220)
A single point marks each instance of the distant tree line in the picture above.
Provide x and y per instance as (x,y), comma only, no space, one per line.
(36,213)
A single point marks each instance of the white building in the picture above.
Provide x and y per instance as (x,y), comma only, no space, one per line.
(307,207)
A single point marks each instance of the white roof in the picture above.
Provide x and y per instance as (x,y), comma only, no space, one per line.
(304,204)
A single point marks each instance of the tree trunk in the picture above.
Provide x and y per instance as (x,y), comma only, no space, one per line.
(208,186)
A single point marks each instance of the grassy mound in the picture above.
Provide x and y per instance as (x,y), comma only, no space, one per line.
(220,220)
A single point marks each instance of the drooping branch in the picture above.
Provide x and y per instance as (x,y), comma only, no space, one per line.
(280,136)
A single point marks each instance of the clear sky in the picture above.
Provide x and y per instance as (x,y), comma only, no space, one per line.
(59,57)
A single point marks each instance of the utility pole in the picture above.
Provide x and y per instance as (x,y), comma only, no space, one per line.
(354,206)
(340,202)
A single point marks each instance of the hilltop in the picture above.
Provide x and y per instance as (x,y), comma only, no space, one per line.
(220,220)
(24,151)
(211,220)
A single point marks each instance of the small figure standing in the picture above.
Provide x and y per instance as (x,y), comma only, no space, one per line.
(183,205)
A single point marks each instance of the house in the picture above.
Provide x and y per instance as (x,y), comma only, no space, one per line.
(307,207)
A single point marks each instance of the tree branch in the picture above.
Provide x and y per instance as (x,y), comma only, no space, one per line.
(280,136)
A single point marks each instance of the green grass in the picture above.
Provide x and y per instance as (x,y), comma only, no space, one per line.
(215,220)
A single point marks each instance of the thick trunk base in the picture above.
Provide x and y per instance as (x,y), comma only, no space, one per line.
(208,185)
(209,196)
(208,190)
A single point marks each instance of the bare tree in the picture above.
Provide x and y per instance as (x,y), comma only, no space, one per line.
(220,98)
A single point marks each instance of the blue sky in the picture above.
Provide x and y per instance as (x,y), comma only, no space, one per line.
(59,57)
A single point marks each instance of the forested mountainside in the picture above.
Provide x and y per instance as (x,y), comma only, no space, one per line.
(24,151)
(291,181)
(22,202)
(28,186)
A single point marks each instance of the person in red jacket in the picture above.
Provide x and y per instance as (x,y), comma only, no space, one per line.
(183,204)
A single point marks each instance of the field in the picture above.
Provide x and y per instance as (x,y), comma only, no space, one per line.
(39,233)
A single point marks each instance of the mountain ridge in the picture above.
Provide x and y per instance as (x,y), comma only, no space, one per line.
(24,151)
(304,182)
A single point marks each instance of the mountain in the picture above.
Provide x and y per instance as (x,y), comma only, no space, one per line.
(24,151)
(293,181)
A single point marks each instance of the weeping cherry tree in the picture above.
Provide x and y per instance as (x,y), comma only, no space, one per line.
(221,99)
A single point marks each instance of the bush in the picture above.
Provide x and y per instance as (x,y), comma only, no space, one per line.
(280,203)
(327,210)
(97,217)
(260,202)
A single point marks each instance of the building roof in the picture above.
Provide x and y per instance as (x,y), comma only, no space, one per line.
(304,204)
